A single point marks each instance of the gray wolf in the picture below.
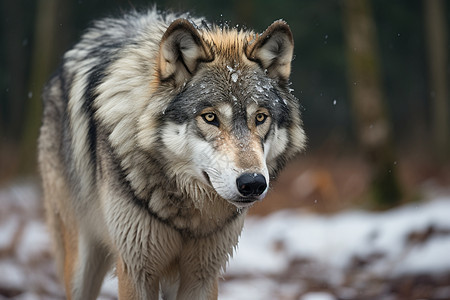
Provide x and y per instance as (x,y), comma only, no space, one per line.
(159,132)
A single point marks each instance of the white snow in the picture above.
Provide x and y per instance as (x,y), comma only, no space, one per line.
(234,77)
(247,290)
(8,227)
(276,254)
(34,242)
(433,256)
(317,296)
(333,241)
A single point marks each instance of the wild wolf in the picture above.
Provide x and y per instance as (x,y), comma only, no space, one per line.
(159,132)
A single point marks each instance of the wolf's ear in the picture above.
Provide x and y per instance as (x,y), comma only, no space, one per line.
(273,49)
(180,51)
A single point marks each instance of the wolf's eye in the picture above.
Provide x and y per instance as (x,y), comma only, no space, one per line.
(260,119)
(211,118)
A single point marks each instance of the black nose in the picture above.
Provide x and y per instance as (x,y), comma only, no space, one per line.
(251,184)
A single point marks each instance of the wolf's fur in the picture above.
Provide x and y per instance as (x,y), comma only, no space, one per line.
(148,127)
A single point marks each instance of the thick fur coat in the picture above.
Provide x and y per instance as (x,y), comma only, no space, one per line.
(159,131)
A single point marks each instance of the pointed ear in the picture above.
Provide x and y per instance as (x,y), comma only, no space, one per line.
(273,50)
(180,51)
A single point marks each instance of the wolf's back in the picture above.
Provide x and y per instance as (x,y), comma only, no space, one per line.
(69,135)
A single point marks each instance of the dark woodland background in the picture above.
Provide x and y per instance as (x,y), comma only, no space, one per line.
(372,77)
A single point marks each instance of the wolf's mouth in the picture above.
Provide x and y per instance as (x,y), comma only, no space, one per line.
(207,178)
(244,202)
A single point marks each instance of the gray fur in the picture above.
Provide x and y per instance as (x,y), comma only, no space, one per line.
(131,173)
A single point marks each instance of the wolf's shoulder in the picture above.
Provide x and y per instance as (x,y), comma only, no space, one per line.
(108,35)
(134,24)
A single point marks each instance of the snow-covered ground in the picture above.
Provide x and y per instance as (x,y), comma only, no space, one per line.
(287,255)
(336,249)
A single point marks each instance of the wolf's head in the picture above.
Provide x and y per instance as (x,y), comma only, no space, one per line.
(231,123)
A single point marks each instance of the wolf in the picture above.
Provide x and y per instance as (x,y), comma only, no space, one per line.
(159,131)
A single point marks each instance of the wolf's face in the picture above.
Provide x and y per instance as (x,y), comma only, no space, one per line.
(233,122)
(221,131)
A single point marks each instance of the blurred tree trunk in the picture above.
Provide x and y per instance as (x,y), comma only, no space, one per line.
(371,118)
(14,33)
(13,97)
(42,62)
(436,35)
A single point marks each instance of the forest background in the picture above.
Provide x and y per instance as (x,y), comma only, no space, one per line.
(371,76)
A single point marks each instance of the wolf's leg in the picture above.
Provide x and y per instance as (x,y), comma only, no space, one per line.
(198,288)
(126,286)
(66,252)
(193,287)
(199,269)
(170,283)
(215,290)
(169,290)
(134,285)
(94,260)
(59,217)
(70,256)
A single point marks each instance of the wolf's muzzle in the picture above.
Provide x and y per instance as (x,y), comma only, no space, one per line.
(251,184)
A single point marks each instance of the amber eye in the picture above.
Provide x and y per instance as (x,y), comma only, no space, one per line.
(260,119)
(211,118)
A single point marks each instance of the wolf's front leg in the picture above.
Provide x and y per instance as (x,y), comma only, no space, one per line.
(193,287)
(132,286)
(200,265)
